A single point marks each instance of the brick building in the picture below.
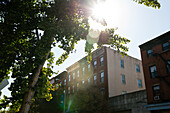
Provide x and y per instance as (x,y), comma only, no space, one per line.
(112,73)
(156,65)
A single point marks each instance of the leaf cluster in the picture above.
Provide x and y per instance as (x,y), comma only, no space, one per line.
(150,3)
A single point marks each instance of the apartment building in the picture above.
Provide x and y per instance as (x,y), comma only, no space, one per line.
(112,73)
(156,65)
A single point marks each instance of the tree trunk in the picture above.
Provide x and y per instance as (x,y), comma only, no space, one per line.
(29,95)
(25,107)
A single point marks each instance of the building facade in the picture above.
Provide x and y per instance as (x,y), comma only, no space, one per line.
(156,65)
(112,73)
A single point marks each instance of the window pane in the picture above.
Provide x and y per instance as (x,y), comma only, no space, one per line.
(168,67)
(95,79)
(123,79)
(52,81)
(77,73)
(139,83)
(165,46)
(60,83)
(150,53)
(156,88)
(156,92)
(123,92)
(153,71)
(69,78)
(101,61)
(88,80)
(102,77)
(95,63)
(121,63)
(137,68)
(64,81)
(89,67)
(83,69)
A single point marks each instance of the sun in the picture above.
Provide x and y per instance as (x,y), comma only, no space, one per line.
(99,10)
(108,10)
(104,14)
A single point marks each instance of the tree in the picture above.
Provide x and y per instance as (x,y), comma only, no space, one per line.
(88,100)
(28,31)
(41,105)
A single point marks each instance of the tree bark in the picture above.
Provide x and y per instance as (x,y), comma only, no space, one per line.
(25,107)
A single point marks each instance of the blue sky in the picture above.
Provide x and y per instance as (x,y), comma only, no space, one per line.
(136,22)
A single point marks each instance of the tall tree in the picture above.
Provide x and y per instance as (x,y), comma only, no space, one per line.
(28,31)
(88,99)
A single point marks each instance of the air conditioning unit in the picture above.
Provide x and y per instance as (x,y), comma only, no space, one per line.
(156,98)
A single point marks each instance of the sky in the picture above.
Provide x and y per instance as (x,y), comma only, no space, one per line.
(136,22)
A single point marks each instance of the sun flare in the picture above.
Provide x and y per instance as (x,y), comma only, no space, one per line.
(109,10)
(104,14)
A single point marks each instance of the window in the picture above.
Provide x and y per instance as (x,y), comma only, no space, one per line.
(123,92)
(95,79)
(64,81)
(69,90)
(102,77)
(139,83)
(165,46)
(73,75)
(150,52)
(123,79)
(95,64)
(137,68)
(88,80)
(153,71)
(121,63)
(77,73)
(88,67)
(156,92)
(60,83)
(57,86)
(83,69)
(168,67)
(69,77)
(101,61)
(52,81)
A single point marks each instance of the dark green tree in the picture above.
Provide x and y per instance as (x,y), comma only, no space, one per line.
(28,31)
(87,100)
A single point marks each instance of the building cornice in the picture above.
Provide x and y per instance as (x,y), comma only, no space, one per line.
(160,39)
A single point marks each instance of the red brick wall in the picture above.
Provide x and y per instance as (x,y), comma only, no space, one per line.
(162,72)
